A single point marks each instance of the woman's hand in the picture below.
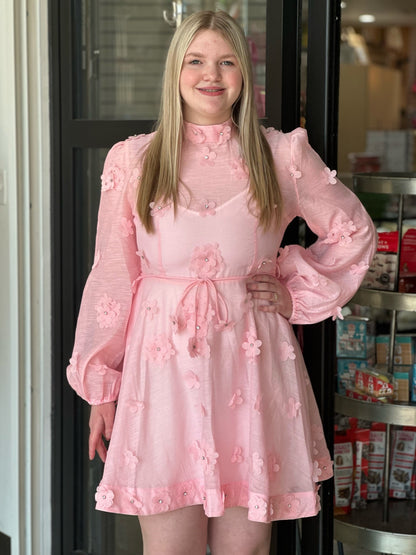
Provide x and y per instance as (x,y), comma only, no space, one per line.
(275,296)
(101,424)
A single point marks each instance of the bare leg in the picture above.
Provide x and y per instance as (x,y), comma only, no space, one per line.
(180,532)
(234,534)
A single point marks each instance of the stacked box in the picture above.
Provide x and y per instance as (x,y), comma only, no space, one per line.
(382,271)
(355,338)
(404,349)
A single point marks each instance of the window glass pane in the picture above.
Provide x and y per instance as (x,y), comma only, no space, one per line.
(120,47)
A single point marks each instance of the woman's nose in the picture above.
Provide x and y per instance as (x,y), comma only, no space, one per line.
(212,72)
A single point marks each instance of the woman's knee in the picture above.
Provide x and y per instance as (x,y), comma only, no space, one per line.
(180,532)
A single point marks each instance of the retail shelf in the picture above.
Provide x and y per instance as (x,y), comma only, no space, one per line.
(389,300)
(396,183)
(364,528)
(389,413)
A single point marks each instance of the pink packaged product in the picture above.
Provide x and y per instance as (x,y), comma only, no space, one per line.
(401,485)
(376,461)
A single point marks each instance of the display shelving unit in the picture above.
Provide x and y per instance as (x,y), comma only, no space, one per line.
(387,526)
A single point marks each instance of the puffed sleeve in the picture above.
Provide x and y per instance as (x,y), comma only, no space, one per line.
(324,277)
(96,363)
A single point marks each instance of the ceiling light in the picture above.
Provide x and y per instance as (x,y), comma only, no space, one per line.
(366,18)
(343,5)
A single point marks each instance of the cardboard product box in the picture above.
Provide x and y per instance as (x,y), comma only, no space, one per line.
(395,148)
(355,337)
(346,368)
(374,383)
(404,349)
(403,456)
(407,279)
(401,384)
(377,453)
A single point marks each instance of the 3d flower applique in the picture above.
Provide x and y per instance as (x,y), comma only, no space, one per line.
(257,464)
(150,308)
(174,323)
(258,403)
(159,349)
(273,465)
(97,258)
(314,448)
(359,269)
(267,265)
(236,399)
(341,233)
(206,261)
(135,406)
(293,407)
(295,172)
(206,456)
(330,176)
(198,347)
(207,208)
(130,459)
(208,157)
(143,258)
(247,303)
(161,501)
(134,177)
(134,500)
(158,209)
(126,227)
(257,507)
(283,253)
(197,325)
(104,497)
(252,345)
(291,505)
(196,136)
(287,351)
(73,362)
(224,134)
(108,311)
(239,169)
(100,369)
(112,178)
(237,456)
(337,313)
(317,432)
(185,491)
(191,380)
(316,472)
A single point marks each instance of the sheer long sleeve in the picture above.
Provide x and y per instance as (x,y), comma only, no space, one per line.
(323,278)
(96,363)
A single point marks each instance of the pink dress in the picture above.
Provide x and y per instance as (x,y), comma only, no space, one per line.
(214,402)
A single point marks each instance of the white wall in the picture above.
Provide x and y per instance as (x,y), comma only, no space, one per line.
(25,370)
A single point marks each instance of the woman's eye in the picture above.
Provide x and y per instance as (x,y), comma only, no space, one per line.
(227,63)
(194,62)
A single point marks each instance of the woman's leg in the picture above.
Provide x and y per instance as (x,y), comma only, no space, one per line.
(180,532)
(234,534)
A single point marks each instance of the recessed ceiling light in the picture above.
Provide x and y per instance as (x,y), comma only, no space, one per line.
(366,18)
(343,5)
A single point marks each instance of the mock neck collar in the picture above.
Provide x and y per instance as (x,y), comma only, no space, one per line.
(199,134)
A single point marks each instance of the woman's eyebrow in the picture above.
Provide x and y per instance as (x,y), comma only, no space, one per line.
(200,55)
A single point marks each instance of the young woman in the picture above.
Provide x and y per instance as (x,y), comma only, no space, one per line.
(186,315)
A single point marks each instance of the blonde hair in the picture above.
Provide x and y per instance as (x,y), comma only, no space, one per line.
(161,163)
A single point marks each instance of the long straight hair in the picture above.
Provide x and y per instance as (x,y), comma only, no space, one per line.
(161,164)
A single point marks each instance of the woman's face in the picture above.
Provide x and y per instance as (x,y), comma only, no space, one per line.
(210,80)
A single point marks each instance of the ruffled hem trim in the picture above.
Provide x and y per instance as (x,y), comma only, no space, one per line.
(261,508)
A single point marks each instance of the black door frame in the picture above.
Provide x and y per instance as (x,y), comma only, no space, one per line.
(283,111)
